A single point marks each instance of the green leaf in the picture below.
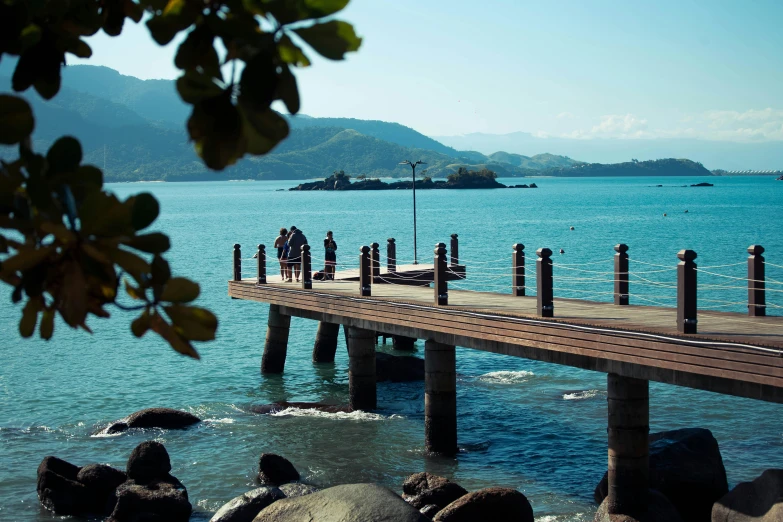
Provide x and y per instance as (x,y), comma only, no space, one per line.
(133,291)
(17,118)
(153,243)
(27,259)
(29,318)
(141,324)
(321,8)
(193,323)
(165,330)
(289,11)
(194,87)
(160,271)
(262,129)
(131,263)
(291,53)
(198,51)
(331,39)
(65,155)
(258,83)
(216,128)
(180,290)
(145,210)
(47,324)
(288,91)
(30,36)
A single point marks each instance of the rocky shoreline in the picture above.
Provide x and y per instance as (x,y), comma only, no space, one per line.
(337,182)
(687,484)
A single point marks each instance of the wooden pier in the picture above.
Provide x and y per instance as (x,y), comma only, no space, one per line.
(729,353)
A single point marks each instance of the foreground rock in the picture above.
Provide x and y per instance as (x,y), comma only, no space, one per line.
(66,489)
(508,505)
(425,489)
(686,466)
(346,503)
(275,407)
(245,507)
(757,501)
(276,470)
(164,418)
(150,493)
(398,368)
(659,510)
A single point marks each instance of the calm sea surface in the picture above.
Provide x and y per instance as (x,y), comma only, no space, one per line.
(537,427)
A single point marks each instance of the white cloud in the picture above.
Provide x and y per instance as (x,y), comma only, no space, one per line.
(565,115)
(724,125)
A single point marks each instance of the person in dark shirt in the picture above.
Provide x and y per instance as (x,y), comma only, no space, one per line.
(330,246)
(296,240)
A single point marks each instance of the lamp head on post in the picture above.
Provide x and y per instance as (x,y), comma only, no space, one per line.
(413,168)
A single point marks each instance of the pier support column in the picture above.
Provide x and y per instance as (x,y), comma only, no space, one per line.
(361,369)
(325,342)
(440,398)
(629,429)
(276,345)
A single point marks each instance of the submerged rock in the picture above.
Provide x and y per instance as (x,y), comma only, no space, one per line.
(101,482)
(686,466)
(58,489)
(156,500)
(659,510)
(245,507)
(165,418)
(276,470)
(423,489)
(149,460)
(346,503)
(508,505)
(398,368)
(757,501)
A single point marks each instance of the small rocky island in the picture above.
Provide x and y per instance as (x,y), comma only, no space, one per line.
(462,179)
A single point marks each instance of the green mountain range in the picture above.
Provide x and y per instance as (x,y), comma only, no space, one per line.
(135,129)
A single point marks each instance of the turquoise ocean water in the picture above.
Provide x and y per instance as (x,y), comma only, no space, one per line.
(522,424)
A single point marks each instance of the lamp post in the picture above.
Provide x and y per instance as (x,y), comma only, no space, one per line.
(413,167)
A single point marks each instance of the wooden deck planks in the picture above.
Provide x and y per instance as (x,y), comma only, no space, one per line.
(506,324)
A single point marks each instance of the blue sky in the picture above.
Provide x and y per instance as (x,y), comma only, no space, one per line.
(583,69)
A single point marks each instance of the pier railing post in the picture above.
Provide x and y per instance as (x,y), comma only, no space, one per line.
(276,345)
(440,284)
(261,259)
(544,283)
(364,272)
(237,262)
(391,255)
(621,274)
(375,257)
(454,251)
(757,303)
(518,270)
(361,369)
(686,292)
(440,398)
(307,272)
(628,402)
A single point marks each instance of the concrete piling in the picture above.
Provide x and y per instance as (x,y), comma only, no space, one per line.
(276,344)
(440,398)
(325,342)
(361,369)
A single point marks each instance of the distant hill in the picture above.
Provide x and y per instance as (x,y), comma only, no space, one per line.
(537,162)
(661,167)
(713,154)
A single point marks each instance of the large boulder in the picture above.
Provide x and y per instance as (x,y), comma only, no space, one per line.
(148,461)
(757,501)
(165,418)
(101,481)
(298,490)
(276,470)
(159,500)
(245,507)
(346,503)
(398,368)
(658,510)
(423,489)
(58,489)
(686,466)
(508,505)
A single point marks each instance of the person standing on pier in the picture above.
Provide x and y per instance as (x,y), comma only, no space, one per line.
(281,244)
(330,246)
(296,240)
